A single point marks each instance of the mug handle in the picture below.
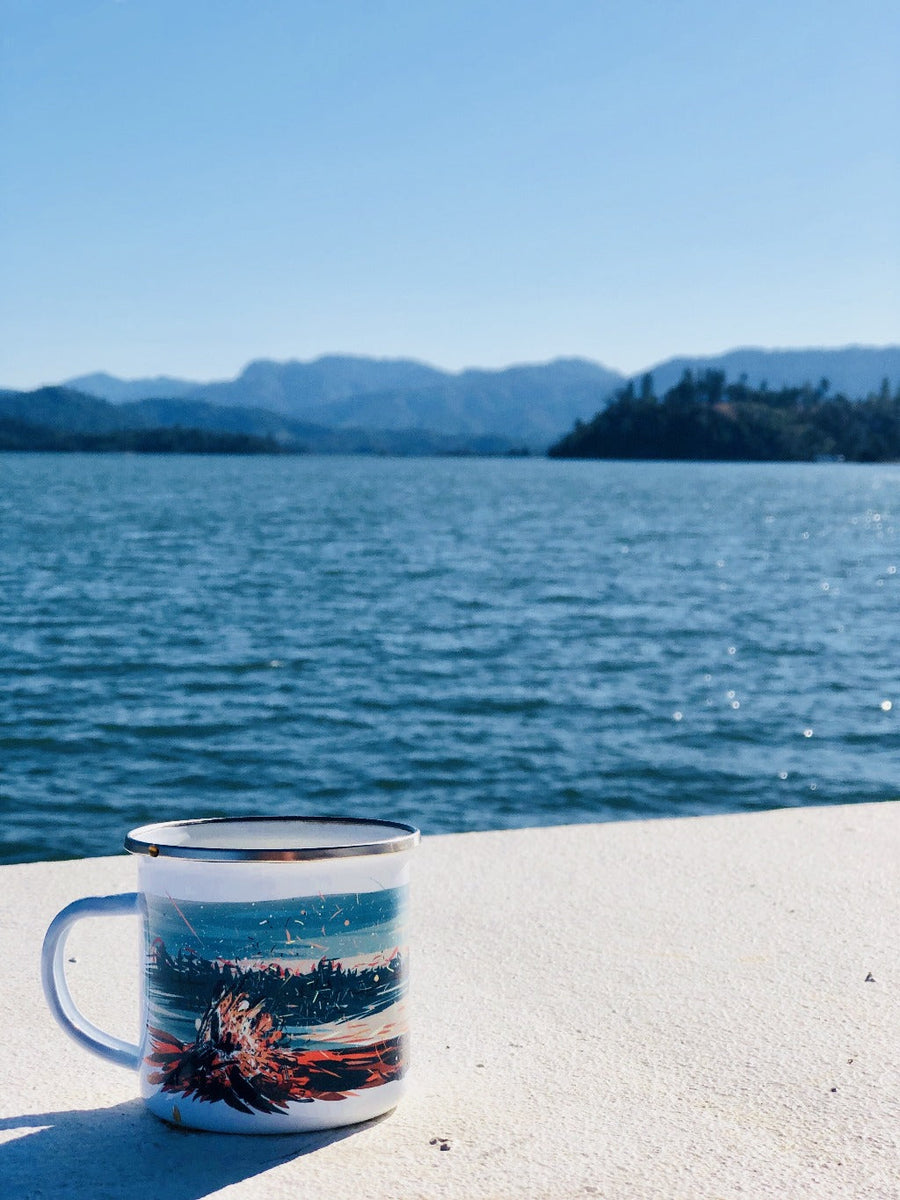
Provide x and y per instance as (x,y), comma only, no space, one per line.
(56,989)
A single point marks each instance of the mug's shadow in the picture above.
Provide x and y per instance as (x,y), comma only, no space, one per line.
(124,1151)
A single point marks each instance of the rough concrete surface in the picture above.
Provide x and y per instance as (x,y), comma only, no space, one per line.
(705,1007)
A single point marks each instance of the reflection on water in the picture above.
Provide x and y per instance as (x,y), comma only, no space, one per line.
(461,644)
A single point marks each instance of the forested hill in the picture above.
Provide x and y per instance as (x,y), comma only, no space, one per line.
(707,418)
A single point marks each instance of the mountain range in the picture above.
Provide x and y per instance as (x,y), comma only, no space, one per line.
(527,405)
(356,404)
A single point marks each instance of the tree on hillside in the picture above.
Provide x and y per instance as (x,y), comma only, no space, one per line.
(706,418)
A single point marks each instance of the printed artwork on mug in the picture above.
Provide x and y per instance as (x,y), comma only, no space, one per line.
(266,1003)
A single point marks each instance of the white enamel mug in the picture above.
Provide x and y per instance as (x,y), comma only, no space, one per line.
(275,979)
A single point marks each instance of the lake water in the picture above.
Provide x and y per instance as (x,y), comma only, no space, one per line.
(460,643)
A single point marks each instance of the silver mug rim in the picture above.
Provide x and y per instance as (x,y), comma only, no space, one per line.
(150,840)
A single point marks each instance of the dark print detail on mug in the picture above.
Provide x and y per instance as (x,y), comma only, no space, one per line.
(265,1003)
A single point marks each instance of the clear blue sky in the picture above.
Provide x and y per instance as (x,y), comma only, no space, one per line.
(189,184)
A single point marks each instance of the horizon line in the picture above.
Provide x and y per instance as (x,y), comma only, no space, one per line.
(68,381)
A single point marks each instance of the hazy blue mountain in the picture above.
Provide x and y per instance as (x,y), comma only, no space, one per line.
(61,408)
(67,411)
(72,411)
(854,370)
(529,404)
(308,435)
(526,404)
(199,414)
(120,391)
(293,388)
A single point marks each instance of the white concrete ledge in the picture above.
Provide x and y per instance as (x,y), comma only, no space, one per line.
(704,1007)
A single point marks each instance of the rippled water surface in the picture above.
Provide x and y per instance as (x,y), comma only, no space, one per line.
(464,644)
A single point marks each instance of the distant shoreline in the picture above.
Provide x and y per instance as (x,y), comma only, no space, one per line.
(22,437)
(708,419)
